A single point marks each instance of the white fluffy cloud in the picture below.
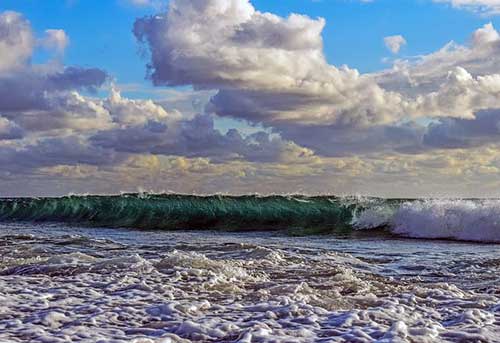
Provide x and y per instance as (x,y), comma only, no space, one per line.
(429,72)
(125,112)
(232,44)
(42,97)
(16,41)
(55,39)
(394,43)
(271,68)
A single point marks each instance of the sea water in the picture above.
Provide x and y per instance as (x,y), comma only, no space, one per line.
(86,283)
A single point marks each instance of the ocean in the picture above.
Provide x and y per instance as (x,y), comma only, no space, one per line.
(176,268)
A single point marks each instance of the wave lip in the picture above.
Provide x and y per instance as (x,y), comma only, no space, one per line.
(460,219)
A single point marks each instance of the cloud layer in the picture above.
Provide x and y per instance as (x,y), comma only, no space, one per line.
(313,126)
(49,118)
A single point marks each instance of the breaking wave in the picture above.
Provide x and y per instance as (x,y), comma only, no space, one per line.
(459,219)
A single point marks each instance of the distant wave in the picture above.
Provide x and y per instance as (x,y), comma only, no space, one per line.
(470,220)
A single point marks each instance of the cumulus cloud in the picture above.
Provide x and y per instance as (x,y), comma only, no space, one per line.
(56,40)
(143,127)
(273,66)
(16,41)
(31,88)
(129,112)
(44,118)
(40,101)
(44,103)
(480,57)
(460,95)
(42,97)
(394,43)
(271,70)
(231,37)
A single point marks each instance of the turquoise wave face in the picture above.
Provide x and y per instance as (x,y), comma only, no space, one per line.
(174,212)
(455,219)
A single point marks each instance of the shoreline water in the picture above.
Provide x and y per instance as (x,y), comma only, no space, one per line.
(67,283)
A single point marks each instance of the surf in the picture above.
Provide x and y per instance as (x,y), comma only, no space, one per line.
(456,219)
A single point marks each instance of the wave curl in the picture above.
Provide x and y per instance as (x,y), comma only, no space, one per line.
(471,220)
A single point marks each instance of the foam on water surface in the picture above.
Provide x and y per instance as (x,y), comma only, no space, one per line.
(128,286)
(463,220)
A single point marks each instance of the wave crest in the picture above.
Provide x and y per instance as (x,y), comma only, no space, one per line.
(460,219)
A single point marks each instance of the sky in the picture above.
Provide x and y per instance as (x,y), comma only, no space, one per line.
(349,97)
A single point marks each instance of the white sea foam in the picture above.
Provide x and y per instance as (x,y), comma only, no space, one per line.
(468,220)
(229,293)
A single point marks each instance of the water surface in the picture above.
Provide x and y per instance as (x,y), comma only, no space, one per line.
(63,283)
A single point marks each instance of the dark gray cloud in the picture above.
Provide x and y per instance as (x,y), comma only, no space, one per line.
(48,152)
(454,133)
(29,89)
(335,141)
(197,138)
(407,138)
(9,130)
